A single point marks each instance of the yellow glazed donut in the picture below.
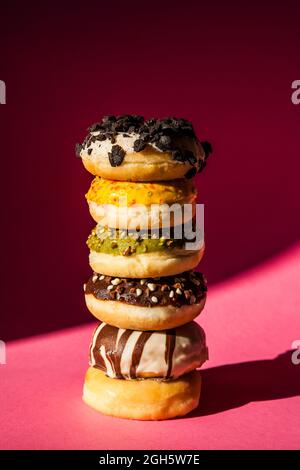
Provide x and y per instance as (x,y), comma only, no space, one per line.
(123,204)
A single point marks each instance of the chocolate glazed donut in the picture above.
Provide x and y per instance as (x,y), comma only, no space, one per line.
(146,304)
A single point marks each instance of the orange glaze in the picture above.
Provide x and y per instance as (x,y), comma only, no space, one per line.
(103,191)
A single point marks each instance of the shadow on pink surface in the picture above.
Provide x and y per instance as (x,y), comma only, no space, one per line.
(234,385)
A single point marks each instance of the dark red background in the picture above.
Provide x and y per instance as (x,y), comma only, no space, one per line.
(227,66)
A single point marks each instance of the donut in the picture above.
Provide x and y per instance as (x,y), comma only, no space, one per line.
(130,148)
(147,375)
(130,354)
(144,254)
(149,399)
(123,204)
(146,304)
(145,265)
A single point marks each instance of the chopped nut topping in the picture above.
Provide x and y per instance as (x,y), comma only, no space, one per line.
(154,299)
(110,287)
(151,286)
(171,295)
(116,281)
(178,291)
(187,294)
(128,251)
(177,285)
(138,292)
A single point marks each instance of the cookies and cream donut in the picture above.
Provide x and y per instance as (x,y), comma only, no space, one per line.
(123,204)
(125,254)
(146,304)
(130,148)
(147,375)
(131,354)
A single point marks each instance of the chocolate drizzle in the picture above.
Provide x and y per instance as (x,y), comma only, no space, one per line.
(170,346)
(105,337)
(118,354)
(137,352)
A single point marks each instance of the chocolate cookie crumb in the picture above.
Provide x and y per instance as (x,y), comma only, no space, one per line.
(190,173)
(78,148)
(177,155)
(139,145)
(207,147)
(116,156)
(190,157)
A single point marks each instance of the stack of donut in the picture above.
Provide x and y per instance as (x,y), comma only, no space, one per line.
(146,349)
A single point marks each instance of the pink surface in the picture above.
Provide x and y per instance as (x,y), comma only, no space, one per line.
(250,394)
